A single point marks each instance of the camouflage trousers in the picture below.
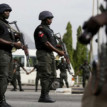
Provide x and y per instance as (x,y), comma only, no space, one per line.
(63,76)
(5,71)
(46,70)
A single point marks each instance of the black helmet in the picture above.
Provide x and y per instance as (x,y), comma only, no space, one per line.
(45,14)
(4,7)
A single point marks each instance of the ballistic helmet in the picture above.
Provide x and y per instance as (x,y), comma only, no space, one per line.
(4,7)
(45,14)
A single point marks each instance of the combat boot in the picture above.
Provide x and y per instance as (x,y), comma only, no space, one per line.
(4,104)
(20,87)
(21,90)
(46,99)
(14,89)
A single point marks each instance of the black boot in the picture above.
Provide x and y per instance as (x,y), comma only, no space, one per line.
(3,103)
(46,99)
(21,90)
(14,89)
(20,87)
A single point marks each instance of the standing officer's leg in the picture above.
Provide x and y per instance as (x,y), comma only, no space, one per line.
(13,82)
(36,83)
(66,82)
(5,77)
(45,84)
(53,73)
(61,81)
(19,82)
(44,63)
(83,81)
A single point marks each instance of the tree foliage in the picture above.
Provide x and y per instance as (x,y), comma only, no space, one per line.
(67,39)
(78,55)
(81,52)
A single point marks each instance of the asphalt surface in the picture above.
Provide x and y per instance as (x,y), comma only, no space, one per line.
(29,98)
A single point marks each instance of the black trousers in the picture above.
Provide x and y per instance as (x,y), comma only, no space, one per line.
(63,77)
(6,69)
(47,70)
(16,78)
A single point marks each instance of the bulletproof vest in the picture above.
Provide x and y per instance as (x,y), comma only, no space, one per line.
(86,69)
(5,34)
(63,67)
(50,36)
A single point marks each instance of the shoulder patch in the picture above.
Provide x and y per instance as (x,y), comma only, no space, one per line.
(40,34)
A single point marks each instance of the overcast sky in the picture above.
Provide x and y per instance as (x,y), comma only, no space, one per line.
(26,13)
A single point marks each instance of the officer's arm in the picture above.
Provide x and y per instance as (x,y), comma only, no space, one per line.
(25,70)
(50,46)
(17,45)
(32,70)
(5,42)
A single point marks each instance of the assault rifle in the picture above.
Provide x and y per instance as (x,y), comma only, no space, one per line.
(62,46)
(20,38)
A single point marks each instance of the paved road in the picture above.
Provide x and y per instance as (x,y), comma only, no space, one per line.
(29,98)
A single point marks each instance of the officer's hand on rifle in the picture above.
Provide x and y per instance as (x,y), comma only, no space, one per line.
(61,53)
(18,45)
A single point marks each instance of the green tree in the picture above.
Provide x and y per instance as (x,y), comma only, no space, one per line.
(67,39)
(81,52)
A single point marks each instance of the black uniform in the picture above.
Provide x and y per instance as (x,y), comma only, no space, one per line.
(86,68)
(5,58)
(45,57)
(17,76)
(37,77)
(63,74)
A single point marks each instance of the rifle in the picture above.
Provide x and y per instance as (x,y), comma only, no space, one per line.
(63,47)
(20,38)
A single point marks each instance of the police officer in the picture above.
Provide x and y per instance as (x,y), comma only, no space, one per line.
(16,75)
(45,45)
(86,68)
(6,44)
(63,73)
(37,77)
(89,99)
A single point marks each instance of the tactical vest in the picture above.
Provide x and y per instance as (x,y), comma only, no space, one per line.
(50,37)
(5,34)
